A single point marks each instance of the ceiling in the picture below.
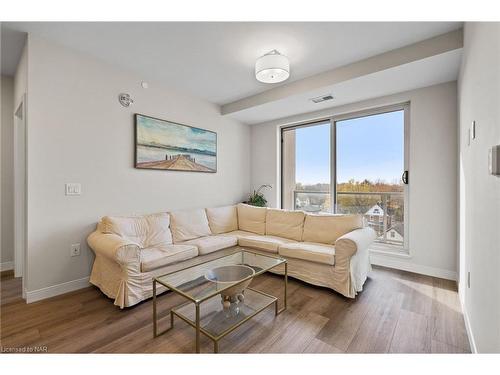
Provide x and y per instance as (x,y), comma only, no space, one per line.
(422,73)
(215,61)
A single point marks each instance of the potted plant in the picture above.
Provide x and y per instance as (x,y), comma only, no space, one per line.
(257,198)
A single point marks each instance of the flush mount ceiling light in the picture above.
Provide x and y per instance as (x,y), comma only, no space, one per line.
(273,67)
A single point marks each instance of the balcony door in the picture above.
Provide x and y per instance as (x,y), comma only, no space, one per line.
(352,164)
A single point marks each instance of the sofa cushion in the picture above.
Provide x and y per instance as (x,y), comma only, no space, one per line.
(327,228)
(210,244)
(222,219)
(287,224)
(266,243)
(189,224)
(310,251)
(252,219)
(145,231)
(163,255)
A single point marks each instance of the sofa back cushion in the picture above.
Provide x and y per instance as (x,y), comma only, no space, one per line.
(222,219)
(287,224)
(251,218)
(146,230)
(327,228)
(189,224)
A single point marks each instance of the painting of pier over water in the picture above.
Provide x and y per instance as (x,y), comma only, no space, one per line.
(161,144)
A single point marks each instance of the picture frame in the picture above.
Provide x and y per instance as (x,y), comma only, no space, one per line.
(170,146)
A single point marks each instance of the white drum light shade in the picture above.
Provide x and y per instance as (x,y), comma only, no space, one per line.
(272,68)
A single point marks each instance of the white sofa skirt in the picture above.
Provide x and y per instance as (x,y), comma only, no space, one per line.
(127,285)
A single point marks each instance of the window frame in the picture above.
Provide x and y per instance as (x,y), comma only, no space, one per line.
(333,119)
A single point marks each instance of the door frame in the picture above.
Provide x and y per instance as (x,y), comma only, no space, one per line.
(20,207)
(405,107)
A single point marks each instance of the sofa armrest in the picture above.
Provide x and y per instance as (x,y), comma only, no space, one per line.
(114,247)
(348,244)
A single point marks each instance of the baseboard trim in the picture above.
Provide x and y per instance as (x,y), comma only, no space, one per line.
(55,290)
(399,264)
(468,327)
(6,266)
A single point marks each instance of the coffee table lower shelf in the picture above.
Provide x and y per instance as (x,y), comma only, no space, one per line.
(204,311)
(213,320)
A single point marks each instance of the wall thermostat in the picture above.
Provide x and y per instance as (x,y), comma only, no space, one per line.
(494,160)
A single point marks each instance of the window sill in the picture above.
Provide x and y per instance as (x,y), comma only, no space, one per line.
(390,250)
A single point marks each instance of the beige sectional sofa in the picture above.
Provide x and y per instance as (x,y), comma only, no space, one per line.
(325,250)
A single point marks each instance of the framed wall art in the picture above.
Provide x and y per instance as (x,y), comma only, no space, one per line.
(166,145)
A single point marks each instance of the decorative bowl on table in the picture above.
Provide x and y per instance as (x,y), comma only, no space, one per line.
(226,275)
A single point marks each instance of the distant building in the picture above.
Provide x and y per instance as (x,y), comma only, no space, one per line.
(375,219)
(312,201)
(396,233)
(302,201)
(375,214)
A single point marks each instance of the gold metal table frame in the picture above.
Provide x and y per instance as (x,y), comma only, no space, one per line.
(197,302)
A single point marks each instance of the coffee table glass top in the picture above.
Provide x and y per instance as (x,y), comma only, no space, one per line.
(193,285)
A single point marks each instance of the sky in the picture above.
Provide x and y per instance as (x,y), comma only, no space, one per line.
(369,147)
(172,134)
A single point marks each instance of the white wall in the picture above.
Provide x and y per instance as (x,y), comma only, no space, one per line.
(7,170)
(479,98)
(433,173)
(78,132)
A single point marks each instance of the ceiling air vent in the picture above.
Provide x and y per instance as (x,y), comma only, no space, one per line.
(322,98)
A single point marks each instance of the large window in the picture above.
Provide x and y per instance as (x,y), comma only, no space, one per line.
(351,164)
(307,175)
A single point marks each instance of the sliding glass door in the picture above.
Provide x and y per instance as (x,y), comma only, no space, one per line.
(353,163)
(370,162)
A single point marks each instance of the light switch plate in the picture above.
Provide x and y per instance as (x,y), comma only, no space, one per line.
(73,189)
(473,130)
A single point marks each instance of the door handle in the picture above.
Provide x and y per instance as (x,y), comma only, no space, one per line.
(405,177)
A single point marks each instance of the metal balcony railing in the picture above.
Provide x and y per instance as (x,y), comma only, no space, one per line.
(383,211)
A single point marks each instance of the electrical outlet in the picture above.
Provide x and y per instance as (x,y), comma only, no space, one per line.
(75,250)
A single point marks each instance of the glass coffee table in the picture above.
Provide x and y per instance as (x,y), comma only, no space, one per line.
(218,297)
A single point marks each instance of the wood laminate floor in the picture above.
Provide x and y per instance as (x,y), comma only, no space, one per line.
(397,312)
